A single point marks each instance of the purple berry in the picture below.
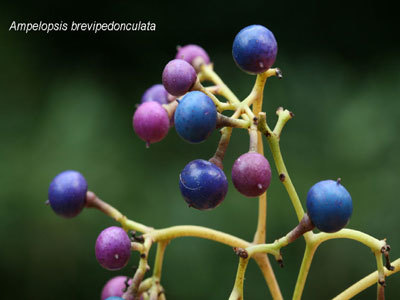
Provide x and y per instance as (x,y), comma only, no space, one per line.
(115,287)
(156,93)
(178,77)
(251,174)
(190,52)
(254,49)
(151,122)
(67,193)
(113,248)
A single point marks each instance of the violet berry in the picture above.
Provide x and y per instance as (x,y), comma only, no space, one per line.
(151,122)
(156,93)
(115,287)
(67,193)
(251,174)
(113,248)
(191,52)
(178,77)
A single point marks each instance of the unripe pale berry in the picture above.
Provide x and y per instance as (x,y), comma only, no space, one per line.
(156,93)
(195,117)
(190,52)
(178,77)
(203,185)
(113,248)
(254,49)
(115,287)
(151,122)
(251,174)
(67,193)
(329,205)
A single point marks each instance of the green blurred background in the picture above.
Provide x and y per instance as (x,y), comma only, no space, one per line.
(67,101)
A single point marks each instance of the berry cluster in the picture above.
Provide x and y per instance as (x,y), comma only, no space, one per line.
(195,112)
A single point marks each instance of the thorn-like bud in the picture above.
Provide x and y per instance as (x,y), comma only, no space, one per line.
(241,252)
(279,73)
(282,177)
(280,262)
(291,114)
(339,180)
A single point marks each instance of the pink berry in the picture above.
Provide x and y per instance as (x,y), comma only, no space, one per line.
(190,52)
(251,174)
(115,287)
(151,122)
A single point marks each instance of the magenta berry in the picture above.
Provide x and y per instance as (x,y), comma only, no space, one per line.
(251,174)
(113,248)
(67,193)
(151,122)
(190,52)
(115,287)
(178,77)
(156,93)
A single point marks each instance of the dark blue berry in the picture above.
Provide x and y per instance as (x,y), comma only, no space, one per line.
(254,49)
(195,117)
(329,205)
(67,193)
(203,185)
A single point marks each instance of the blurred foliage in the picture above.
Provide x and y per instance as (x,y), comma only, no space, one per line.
(67,101)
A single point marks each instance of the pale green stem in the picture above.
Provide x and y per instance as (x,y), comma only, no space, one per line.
(208,73)
(196,231)
(95,202)
(159,259)
(237,292)
(366,282)
(304,269)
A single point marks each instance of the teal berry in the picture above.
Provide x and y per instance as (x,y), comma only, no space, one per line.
(67,193)
(329,205)
(203,185)
(114,298)
(195,117)
(254,49)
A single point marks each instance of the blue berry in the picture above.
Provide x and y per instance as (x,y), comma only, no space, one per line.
(195,117)
(67,193)
(329,205)
(254,49)
(114,298)
(203,185)
(156,93)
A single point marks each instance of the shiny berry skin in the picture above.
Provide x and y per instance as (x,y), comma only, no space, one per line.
(113,248)
(195,117)
(151,122)
(329,205)
(251,174)
(203,185)
(115,287)
(156,93)
(178,77)
(67,193)
(190,52)
(254,49)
